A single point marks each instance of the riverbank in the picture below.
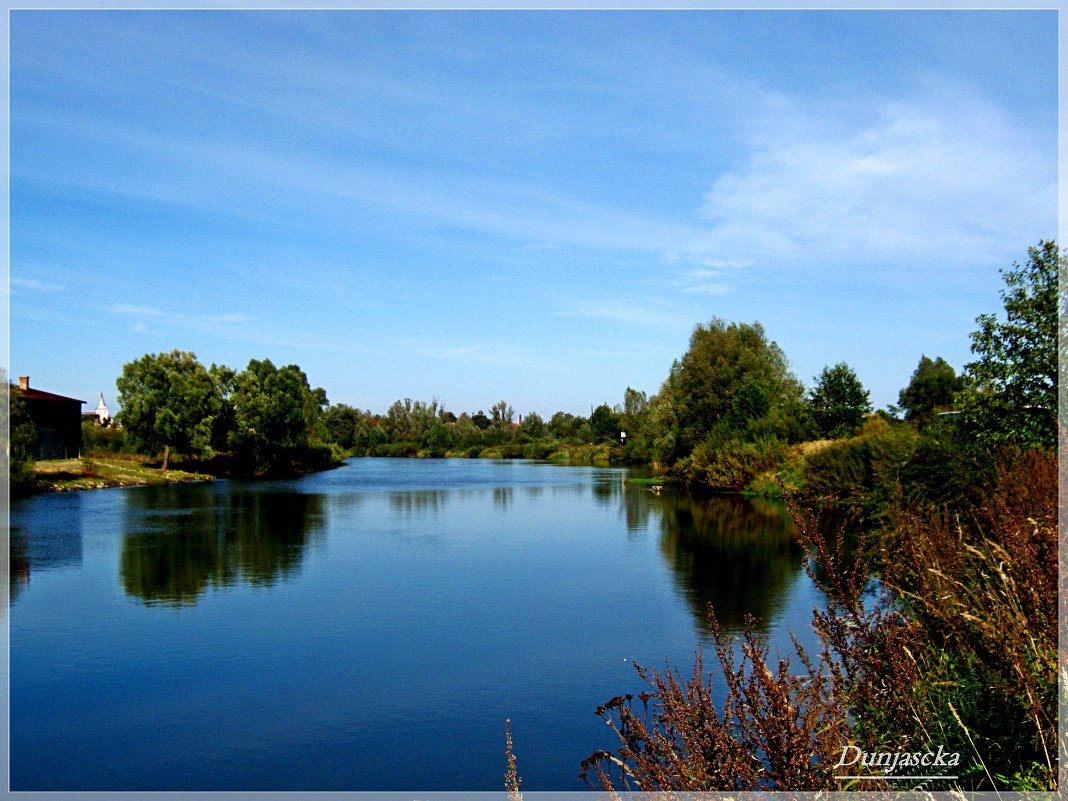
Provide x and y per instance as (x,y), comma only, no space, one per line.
(116,470)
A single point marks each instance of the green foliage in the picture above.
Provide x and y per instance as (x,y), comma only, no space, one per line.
(564,425)
(732,465)
(170,402)
(273,410)
(501,415)
(1011,393)
(437,439)
(533,426)
(839,401)
(932,388)
(605,424)
(97,438)
(731,374)
(865,470)
(346,427)
(23,476)
(22,433)
(947,467)
(465,432)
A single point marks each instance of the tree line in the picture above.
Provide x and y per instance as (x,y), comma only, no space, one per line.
(730,414)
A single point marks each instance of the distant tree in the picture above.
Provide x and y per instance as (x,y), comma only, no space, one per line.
(465,432)
(533,426)
(501,415)
(169,402)
(564,425)
(480,420)
(399,422)
(751,401)
(635,407)
(1011,392)
(604,423)
(343,425)
(839,401)
(438,439)
(932,388)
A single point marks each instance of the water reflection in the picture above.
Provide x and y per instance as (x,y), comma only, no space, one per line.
(183,542)
(54,540)
(739,555)
(418,503)
(502,498)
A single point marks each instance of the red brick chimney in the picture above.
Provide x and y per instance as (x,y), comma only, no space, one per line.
(24,382)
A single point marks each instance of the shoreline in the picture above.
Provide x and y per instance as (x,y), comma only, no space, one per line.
(92,472)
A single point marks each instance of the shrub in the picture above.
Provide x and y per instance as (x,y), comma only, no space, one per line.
(97,439)
(865,470)
(733,465)
(23,477)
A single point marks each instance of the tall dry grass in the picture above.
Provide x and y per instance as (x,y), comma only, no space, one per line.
(956,647)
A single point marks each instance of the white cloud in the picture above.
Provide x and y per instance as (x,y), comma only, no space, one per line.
(943,180)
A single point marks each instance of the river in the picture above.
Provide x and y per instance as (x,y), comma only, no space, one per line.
(369,627)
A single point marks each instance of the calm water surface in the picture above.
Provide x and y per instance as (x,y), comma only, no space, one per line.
(366,628)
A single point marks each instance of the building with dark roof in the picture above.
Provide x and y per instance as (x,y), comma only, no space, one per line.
(58,420)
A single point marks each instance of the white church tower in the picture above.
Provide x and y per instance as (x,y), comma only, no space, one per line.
(102,413)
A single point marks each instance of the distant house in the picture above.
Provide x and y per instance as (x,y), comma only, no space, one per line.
(58,420)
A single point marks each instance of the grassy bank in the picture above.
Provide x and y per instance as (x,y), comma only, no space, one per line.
(113,470)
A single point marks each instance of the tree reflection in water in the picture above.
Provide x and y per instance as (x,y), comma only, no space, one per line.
(185,543)
(739,554)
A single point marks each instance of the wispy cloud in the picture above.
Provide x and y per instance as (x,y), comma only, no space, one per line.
(943,180)
(34,286)
(140,311)
(145,316)
(651,312)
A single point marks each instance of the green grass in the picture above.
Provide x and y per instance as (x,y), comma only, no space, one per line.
(114,470)
(651,482)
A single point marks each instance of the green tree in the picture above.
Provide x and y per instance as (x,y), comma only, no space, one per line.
(21,435)
(730,372)
(501,414)
(399,423)
(169,402)
(272,411)
(564,425)
(839,401)
(533,426)
(932,388)
(604,423)
(344,426)
(437,439)
(1011,392)
(465,432)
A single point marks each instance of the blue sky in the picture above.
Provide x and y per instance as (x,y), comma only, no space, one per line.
(535,206)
